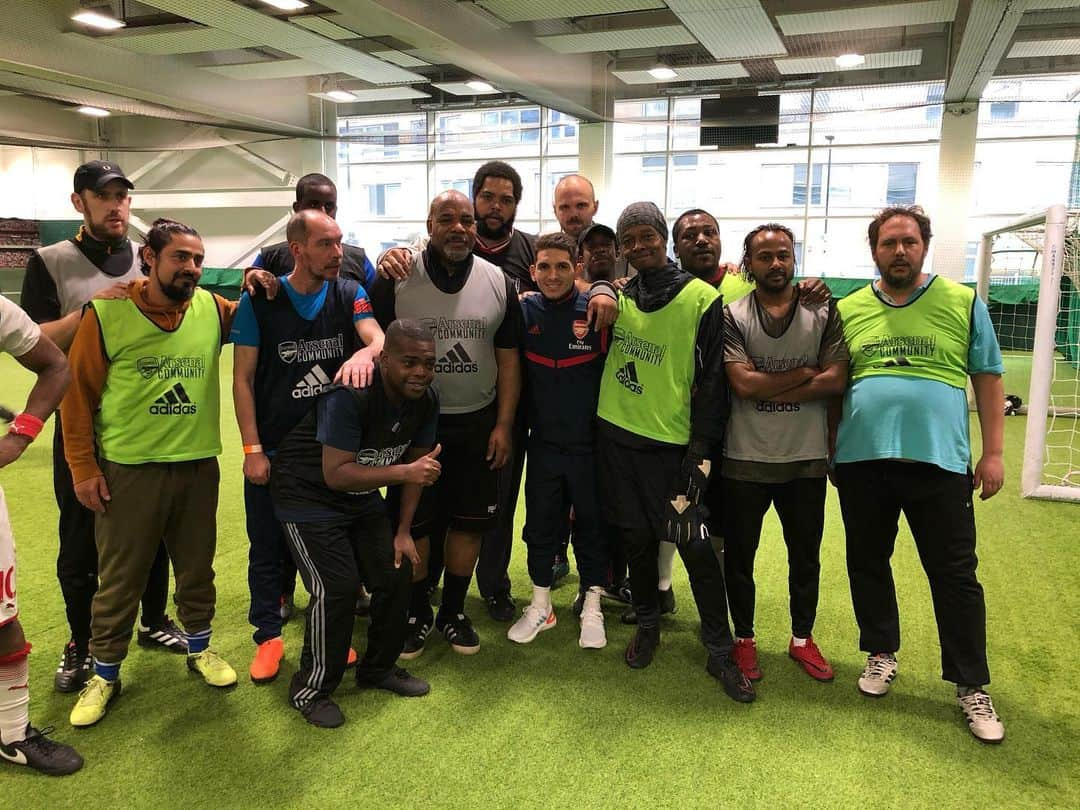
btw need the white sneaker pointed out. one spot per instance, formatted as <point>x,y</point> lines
<point>532,622</point>
<point>981,717</point>
<point>878,674</point>
<point>593,636</point>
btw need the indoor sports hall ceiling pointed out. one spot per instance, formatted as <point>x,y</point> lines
<point>249,63</point>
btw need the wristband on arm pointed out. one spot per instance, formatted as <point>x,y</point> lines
<point>26,424</point>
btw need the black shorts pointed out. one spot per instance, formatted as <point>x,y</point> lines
<point>635,482</point>
<point>466,495</point>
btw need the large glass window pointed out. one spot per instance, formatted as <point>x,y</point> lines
<point>390,166</point>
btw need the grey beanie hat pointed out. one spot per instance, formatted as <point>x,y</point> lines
<point>642,213</point>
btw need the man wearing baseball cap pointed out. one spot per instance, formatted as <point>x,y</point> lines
<point>662,414</point>
<point>98,262</point>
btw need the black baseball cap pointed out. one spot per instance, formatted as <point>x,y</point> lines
<point>596,227</point>
<point>97,173</point>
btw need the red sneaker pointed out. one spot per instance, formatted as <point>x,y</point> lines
<point>809,657</point>
<point>745,655</point>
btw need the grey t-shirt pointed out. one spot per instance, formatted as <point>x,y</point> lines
<point>831,349</point>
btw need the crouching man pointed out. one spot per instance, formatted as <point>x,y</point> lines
<point>324,484</point>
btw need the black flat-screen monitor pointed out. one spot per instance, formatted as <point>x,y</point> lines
<point>739,122</point>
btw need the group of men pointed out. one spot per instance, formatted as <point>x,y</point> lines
<point>699,394</point>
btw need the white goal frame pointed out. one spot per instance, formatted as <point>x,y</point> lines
<point>1054,220</point>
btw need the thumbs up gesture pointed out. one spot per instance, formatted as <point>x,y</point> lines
<point>426,470</point>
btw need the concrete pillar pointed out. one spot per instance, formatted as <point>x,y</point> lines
<point>596,141</point>
<point>953,207</point>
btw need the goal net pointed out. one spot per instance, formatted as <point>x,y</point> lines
<point>1029,274</point>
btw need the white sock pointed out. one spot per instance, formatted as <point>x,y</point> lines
<point>14,700</point>
<point>798,642</point>
<point>665,561</point>
<point>542,598</point>
<point>740,638</point>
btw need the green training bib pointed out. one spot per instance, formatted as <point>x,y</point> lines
<point>650,367</point>
<point>161,400</point>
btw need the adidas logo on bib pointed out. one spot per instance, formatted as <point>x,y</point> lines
<point>456,361</point>
<point>313,384</point>
<point>173,401</point>
<point>627,375</point>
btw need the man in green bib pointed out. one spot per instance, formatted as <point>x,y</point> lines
<point>141,435</point>
<point>903,446</point>
<point>662,413</point>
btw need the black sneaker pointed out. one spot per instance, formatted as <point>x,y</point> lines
<point>37,751</point>
<point>559,570</point>
<point>642,647</point>
<point>667,605</point>
<point>733,680</point>
<point>618,592</point>
<point>322,712</point>
<point>74,670</point>
<point>165,635</point>
<point>459,632</point>
<point>416,637</point>
<point>398,681</point>
<point>501,607</point>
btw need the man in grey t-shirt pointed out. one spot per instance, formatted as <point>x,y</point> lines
<point>785,363</point>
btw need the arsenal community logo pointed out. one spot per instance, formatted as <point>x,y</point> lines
<point>148,366</point>
<point>287,351</point>
<point>581,329</point>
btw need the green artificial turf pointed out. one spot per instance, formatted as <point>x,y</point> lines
<point>550,725</point>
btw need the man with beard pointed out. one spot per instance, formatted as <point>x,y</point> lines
<point>784,362</point>
<point>325,489</point>
<point>497,192</point>
<point>287,351</point>
<point>98,262</point>
<point>662,414</point>
<point>317,192</point>
<point>472,307</point>
<point>142,434</point>
<point>696,235</point>
<point>496,195</point>
<point>915,339</point>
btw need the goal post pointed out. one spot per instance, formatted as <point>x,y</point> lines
<point>1042,249</point>
<point>1032,483</point>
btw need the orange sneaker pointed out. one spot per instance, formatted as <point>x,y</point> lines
<point>264,667</point>
<point>351,660</point>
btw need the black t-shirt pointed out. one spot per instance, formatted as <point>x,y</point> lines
<point>277,258</point>
<point>514,260</point>
<point>362,421</point>
<point>40,298</point>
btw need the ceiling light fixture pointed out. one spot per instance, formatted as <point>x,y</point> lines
<point>663,73</point>
<point>850,60</point>
<point>97,20</point>
<point>94,112</point>
<point>480,86</point>
<point>342,96</point>
<point>286,5</point>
